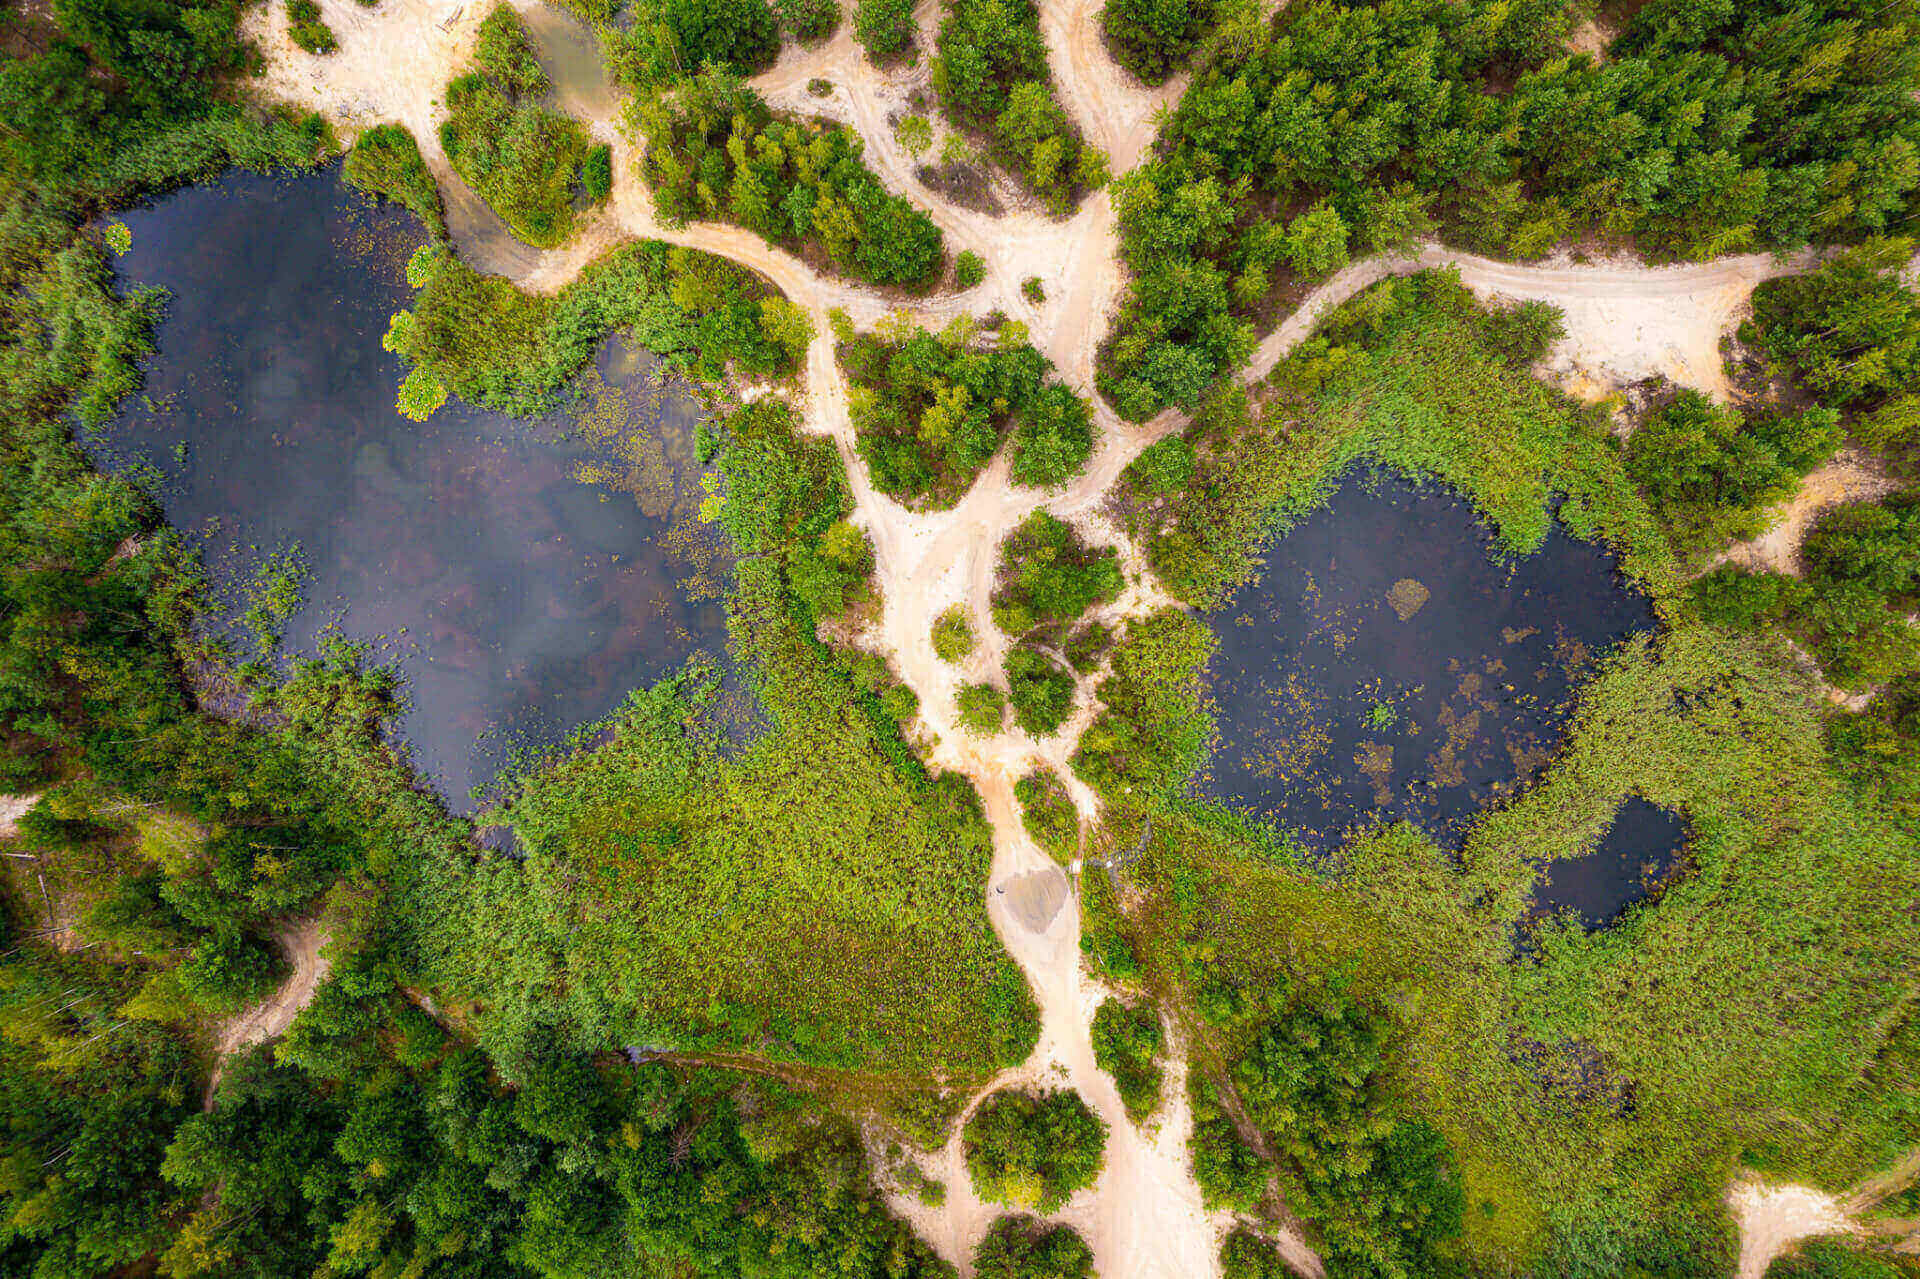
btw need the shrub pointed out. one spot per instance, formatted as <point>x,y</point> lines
<point>1054,439</point>
<point>385,161</point>
<point>1040,692</point>
<point>505,52</point>
<point>1047,811</point>
<point>1022,1247</point>
<point>1127,1043</point>
<point>1833,1259</point>
<point>983,709</point>
<point>968,269</point>
<point>1033,290</point>
<point>1033,1150</point>
<point>1245,1255</point>
<point>885,27</point>
<point>1742,600</point>
<point>307,29</point>
<point>819,88</point>
<point>596,173</point>
<point>913,133</point>
<point>952,634</point>
<point>1049,576</point>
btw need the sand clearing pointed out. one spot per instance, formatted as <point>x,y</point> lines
<point>1624,322</point>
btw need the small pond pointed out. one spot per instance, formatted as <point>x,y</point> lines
<point>1638,853</point>
<point>526,574</point>
<point>1385,665</point>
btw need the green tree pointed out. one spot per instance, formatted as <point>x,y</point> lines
<point>1033,1150</point>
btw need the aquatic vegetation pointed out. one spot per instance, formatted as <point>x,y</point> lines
<point>385,160</point>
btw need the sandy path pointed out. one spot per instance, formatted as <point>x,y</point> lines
<point>1624,322</point>
<point>301,943</point>
<point>1773,1218</point>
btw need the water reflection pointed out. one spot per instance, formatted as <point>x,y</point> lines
<point>1384,666</point>
<point>527,574</point>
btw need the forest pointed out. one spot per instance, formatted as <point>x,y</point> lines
<point>1347,129</point>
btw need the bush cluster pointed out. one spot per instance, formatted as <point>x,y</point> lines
<point>715,150</point>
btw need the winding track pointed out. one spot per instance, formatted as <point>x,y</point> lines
<point>1144,1218</point>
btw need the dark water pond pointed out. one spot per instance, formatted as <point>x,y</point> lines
<point>526,574</point>
<point>1386,666</point>
<point>1637,854</point>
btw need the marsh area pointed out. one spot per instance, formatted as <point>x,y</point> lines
<point>1388,664</point>
<point>526,574</point>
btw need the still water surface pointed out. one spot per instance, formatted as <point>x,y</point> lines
<point>525,574</point>
<point>1387,666</point>
<point>1638,853</point>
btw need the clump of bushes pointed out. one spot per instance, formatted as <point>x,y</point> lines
<point>1033,1150</point>
<point>522,158</point>
<point>1033,290</point>
<point>1127,1043</point>
<point>1153,37</point>
<point>885,27</point>
<point>505,51</point>
<point>1023,1247</point>
<point>991,74</point>
<point>596,173</point>
<point>1047,811</point>
<point>671,39</point>
<point>931,409</point>
<point>385,161</point>
<point>969,269</point>
<point>1040,691</point>
<point>1861,566</point>
<point>952,634</point>
<point>308,29</point>
<point>983,709</point>
<point>715,150</point>
<point>1709,471</point>
<point>808,21</point>
<point>1049,576</point>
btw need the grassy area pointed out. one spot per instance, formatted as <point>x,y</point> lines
<point>811,896</point>
<point>1595,1091</point>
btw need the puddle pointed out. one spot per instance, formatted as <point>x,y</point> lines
<point>1638,852</point>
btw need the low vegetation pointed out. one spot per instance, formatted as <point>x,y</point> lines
<point>385,161</point>
<point>495,344</point>
<point>1033,1150</point>
<point>668,40</point>
<point>306,28</point>
<point>715,151</point>
<point>1040,689</point>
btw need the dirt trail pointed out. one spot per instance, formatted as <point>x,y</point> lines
<point>1773,1218</point>
<point>301,942</point>
<point>1144,1217</point>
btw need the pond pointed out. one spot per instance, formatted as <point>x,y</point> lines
<point>1386,665</point>
<point>525,574</point>
<point>1639,853</point>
